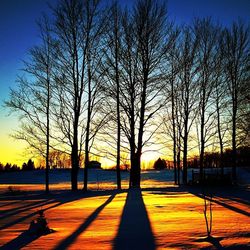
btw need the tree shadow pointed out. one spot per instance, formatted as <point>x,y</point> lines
<point>9,204</point>
<point>52,201</point>
<point>21,241</point>
<point>55,200</point>
<point>29,215</point>
<point>135,230</point>
<point>166,190</point>
<point>239,200</point>
<point>69,240</point>
<point>235,209</point>
<point>32,205</point>
<point>215,241</point>
<point>235,194</point>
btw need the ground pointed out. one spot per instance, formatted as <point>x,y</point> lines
<point>158,216</point>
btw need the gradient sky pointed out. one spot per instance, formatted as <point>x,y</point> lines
<point>18,32</point>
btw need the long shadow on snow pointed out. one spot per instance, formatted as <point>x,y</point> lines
<point>9,204</point>
<point>21,241</point>
<point>13,211</point>
<point>61,198</point>
<point>230,193</point>
<point>238,194</point>
<point>233,193</point>
<point>55,200</point>
<point>69,240</point>
<point>135,230</point>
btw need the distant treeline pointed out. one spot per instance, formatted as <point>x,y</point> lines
<point>59,162</point>
<point>211,160</point>
<point>29,165</point>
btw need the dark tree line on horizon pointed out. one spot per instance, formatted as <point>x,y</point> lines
<point>30,165</point>
<point>110,81</point>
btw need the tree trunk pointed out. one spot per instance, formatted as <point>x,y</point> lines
<point>47,170</point>
<point>47,145</point>
<point>175,167</point>
<point>185,147</point>
<point>202,149</point>
<point>132,141</point>
<point>135,173</point>
<point>118,157</point>
<point>234,152</point>
<point>74,155</point>
<point>86,164</point>
<point>178,165</point>
<point>136,176</point>
<point>184,175</point>
<point>74,170</point>
<point>86,159</point>
<point>174,130</point>
<point>220,138</point>
<point>202,162</point>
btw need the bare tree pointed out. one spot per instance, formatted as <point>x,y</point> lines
<point>71,67</point>
<point>95,52</point>
<point>235,49</point>
<point>116,34</point>
<point>220,100</point>
<point>143,49</point>
<point>206,35</point>
<point>75,29</point>
<point>187,97</point>
<point>33,97</point>
<point>244,113</point>
<point>170,90</point>
<point>112,80</point>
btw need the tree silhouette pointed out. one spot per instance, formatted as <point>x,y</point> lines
<point>235,47</point>
<point>103,75</point>
<point>33,97</point>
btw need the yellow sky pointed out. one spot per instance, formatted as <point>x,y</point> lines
<point>15,152</point>
<point>11,150</point>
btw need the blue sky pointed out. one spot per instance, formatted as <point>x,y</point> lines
<point>18,32</point>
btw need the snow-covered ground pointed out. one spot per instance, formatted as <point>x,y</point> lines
<point>97,179</point>
<point>63,175</point>
<point>101,179</point>
<point>158,216</point>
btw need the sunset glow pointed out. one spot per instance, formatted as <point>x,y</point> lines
<point>124,125</point>
<point>21,22</point>
<point>85,219</point>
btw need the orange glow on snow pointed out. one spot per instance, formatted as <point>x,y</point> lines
<point>92,221</point>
